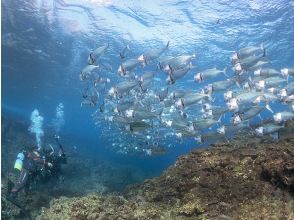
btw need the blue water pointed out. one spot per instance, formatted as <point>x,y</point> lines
<point>45,44</point>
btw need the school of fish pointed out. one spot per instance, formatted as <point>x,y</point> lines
<point>147,107</point>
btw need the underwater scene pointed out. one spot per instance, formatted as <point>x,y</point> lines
<point>147,109</point>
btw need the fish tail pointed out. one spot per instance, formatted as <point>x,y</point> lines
<point>237,81</point>
<point>263,49</point>
<point>219,119</point>
<point>121,56</point>
<point>167,45</point>
<point>170,69</point>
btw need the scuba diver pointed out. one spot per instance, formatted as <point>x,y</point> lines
<point>27,167</point>
<point>56,160</point>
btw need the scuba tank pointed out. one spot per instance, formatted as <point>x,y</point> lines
<point>19,161</point>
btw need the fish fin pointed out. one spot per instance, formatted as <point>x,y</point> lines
<point>158,66</point>
<point>250,79</point>
<point>121,56</point>
<point>263,48</point>
<point>167,45</point>
<point>220,119</point>
<point>267,106</point>
<point>170,69</point>
<point>238,84</point>
<point>225,71</point>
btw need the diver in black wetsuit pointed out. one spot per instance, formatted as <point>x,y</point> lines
<point>56,160</point>
<point>32,164</point>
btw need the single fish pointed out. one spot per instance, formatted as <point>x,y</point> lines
<point>152,54</point>
<point>190,99</point>
<point>147,76</point>
<point>128,66</point>
<point>283,116</point>
<point>209,73</point>
<point>122,87</point>
<point>221,85</point>
<point>257,65</point>
<point>266,72</point>
<point>140,115</point>
<point>267,129</point>
<point>246,115</point>
<point>211,137</point>
<point>204,123</point>
<point>137,126</point>
<point>248,51</point>
<point>123,53</point>
<point>88,71</point>
<point>179,62</point>
<point>96,54</point>
<point>177,74</point>
<point>164,61</point>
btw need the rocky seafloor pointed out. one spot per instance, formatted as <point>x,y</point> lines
<point>248,178</point>
<point>252,181</point>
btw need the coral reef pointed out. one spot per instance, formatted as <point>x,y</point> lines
<point>227,181</point>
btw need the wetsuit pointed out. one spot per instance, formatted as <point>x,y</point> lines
<point>56,160</point>
<point>32,164</point>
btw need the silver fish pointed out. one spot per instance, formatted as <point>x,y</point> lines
<point>269,82</point>
<point>209,73</point>
<point>147,76</point>
<point>211,137</point>
<point>247,51</point>
<point>246,115</point>
<point>88,71</point>
<point>137,126</point>
<point>164,61</point>
<point>177,74</point>
<point>204,123</point>
<point>153,54</point>
<point>179,62</point>
<point>122,87</point>
<point>221,85</point>
<point>190,99</point>
<point>283,116</point>
<point>257,65</point>
<point>267,129</point>
<point>123,53</point>
<point>96,54</point>
<point>140,115</point>
<point>128,66</point>
<point>266,72</point>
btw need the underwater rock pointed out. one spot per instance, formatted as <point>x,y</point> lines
<point>227,181</point>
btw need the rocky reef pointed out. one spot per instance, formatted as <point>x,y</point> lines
<point>252,179</point>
